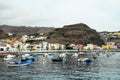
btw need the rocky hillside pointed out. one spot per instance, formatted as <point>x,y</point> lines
<point>2,34</point>
<point>21,30</point>
<point>76,33</point>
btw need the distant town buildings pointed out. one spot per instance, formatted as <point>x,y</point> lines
<point>25,43</point>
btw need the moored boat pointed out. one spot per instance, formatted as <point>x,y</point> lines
<point>82,59</point>
<point>14,63</point>
<point>57,59</point>
<point>9,57</point>
<point>29,58</point>
<point>87,60</point>
<point>21,60</point>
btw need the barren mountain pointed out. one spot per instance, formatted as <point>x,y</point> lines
<point>76,33</point>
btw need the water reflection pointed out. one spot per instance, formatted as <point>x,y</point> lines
<point>102,68</point>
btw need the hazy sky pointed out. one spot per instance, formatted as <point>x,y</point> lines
<point>102,15</point>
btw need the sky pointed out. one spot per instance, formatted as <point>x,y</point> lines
<point>101,15</point>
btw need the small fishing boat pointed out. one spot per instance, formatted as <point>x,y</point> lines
<point>21,60</point>
<point>29,58</point>
<point>57,59</point>
<point>25,55</point>
<point>8,57</point>
<point>87,60</point>
<point>62,55</point>
<point>75,55</point>
<point>14,63</point>
<point>82,59</point>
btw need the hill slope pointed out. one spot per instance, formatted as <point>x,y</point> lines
<point>2,34</point>
<point>76,33</point>
<point>21,30</point>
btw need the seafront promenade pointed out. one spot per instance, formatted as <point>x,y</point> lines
<point>57,51</point>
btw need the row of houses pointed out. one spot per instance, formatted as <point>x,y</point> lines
<point>19,44</point>
<point>110,34</point>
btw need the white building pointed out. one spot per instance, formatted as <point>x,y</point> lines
<point>24,38</point>
<point>90,47</point>
<point>44,45</point>
<point>56,46</point>
<point>41,38</point>
<point>3,48</point>
<point>10,34</point>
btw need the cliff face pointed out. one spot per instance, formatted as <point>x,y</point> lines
<point>77,33</point>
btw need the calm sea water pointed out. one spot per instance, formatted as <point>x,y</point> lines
<point>105,67</point>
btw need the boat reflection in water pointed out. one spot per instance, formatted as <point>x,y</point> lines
<point>101,68</point>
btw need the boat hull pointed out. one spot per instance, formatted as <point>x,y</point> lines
<point>57,59</point>
<point>15,65</point>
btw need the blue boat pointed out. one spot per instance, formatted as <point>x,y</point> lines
<point>15,63</point>
<point>34,56</point>
<point>23,62</point>
<point>30,58</point>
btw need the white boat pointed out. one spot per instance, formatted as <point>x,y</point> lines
<point>62,55</point>
<point>82,59</point>
<point>86,60</point>
<point>8,57</point>
<point>75,55</point>
<point>25,55</point>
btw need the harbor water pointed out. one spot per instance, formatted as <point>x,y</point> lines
<point>105,67</point>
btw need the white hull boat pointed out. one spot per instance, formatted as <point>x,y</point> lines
<point>82,59</point>
<point>8,57</point>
